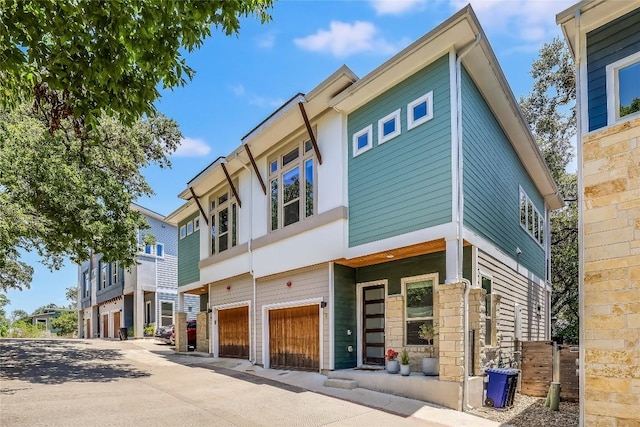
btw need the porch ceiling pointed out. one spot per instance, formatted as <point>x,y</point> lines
<point>424,248</point>
<point>198,291</point>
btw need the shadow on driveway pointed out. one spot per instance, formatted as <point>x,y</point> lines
<point>61,361</point>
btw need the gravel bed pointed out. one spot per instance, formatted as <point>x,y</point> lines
<point>530,411</point>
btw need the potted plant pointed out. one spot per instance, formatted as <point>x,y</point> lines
<point>405,369</point>
<point>428,332</point>
<point>393,366</point>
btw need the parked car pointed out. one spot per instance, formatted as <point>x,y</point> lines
<point>191,334</point>
<point>165,334</point>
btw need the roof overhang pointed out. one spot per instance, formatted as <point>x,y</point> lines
<point>284,121</point>
<point>461,30</point>
<point>148,212</point>
<point>592,14</point>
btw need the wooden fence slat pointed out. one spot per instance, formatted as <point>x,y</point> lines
<point>537,369</point>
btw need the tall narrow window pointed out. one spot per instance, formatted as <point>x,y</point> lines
<point>160,250</point>
<point>86,284</point>
<point>114,273</point>
<point>293,187</point>
<point>166,313</point>
<point>531,219</point>
<point>418,293</point>
<point>224,223</point>
<point>103,275</point>
<point>486,285</point>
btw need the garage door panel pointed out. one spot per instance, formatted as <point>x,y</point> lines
<point>294,338</point>
<point>233,332</point>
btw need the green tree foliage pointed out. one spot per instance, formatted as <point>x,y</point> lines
<point>633,107</point>
<point>66,324</point>
<point>85,59</point>
<point>19,315</point>
<point>4,322</point>
<point>68,195</point>
<point>24,329</point>
<point>72,296</point>
<point>550,111</point>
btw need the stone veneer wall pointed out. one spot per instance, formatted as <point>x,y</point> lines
<point>477,322</point>
<point>611,287</point>
<point>181,331</point>
<point>451,331</point>
<point>202,342</point>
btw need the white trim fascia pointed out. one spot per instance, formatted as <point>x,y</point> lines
<point>331,317</point>
<point>453,100</point>
<point>190,287</point>
<point>613,98</point>
<point>488,247</point>
<point>215,343</point>
<point>288,304</point>
<point>359,289</point>
<point>407,239</point>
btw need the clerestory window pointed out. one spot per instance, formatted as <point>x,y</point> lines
<point>224,222</point>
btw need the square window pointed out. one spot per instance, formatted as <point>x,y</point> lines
<point>389,127</point>
<point>183,231</point>
<point>420,111</point>
<point>362,140</point>
<point>623,89</point>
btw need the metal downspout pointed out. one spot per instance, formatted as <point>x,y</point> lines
<point>460,224</point>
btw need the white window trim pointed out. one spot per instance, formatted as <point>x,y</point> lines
<point>613,100</point>
<point>213,218</point>
<point>189,225</point>
<point>183,231</point>
<point>173,311</point>
<point>196,224</point>
<point>155,248</point>
<point>403,288</point>
<point>525,226</point>
<point>366,131</point>
<point>114,274</point>
<point>382,138</point>
<point>493,333</point>
<point>428,98</point>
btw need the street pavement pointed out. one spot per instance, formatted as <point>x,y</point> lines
<point>145,383</point>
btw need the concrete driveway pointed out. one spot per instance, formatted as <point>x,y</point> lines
<point>144,383</point>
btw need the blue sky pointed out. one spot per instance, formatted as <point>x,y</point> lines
<point>240,80</point>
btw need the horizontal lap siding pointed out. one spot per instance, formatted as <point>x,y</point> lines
<point>305,284</point>
<point>493,174</point>
<point>241,289</point>
<point>188,255</point>
<point>515,288</point>
<point>404,184</point>
<point>606,45</point>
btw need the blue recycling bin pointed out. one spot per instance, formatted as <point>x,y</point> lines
<point>501,388</point>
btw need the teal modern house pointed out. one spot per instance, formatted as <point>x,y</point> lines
<point>370,208</point>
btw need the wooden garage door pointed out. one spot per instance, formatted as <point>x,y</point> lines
<point>294,338</point>
<point>116,324</point>
<point>105,326</point>
<point>233,332</point>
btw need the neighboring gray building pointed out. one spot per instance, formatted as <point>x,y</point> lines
<point>111,297</point>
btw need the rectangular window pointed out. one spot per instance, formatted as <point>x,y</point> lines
<point>114,273</point>
<point>196,224</point>
<point>290,201</point>
<point>623,89</point>
<point>166,313</point>
<point>183,231</point>
<point>190,228</point>
<point>160,250</point>
<point>224,224</point>
<point>486,285</point>
<point>103,275</point>
<point>532,221</point>
<point>147,313</point>
<point>389,127</point>
<point>86,284</point>
<point>273,167</point>
<point>290,157</point>
<point>420,111</point>
<point>362,140</point>
<point>148,249</point>
<point>418,294</point>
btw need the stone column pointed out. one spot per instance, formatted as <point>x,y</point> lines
<point>451,332</point>
<point>138,312</point>
<point>181,331</point>
<point>477,317</point>
<point>202,342</point>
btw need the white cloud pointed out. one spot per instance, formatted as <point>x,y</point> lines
<point>532,21</point>
<point>396,7</point>
<point>192,147</point>
<point>344,39</point>
<point>266,41</point>
<point>259,101</point>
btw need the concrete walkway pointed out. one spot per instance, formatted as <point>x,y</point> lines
<point>432,415</point>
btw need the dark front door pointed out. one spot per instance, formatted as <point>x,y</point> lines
<point>373,325</point>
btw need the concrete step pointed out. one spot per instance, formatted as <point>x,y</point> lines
<point>338,383</point>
